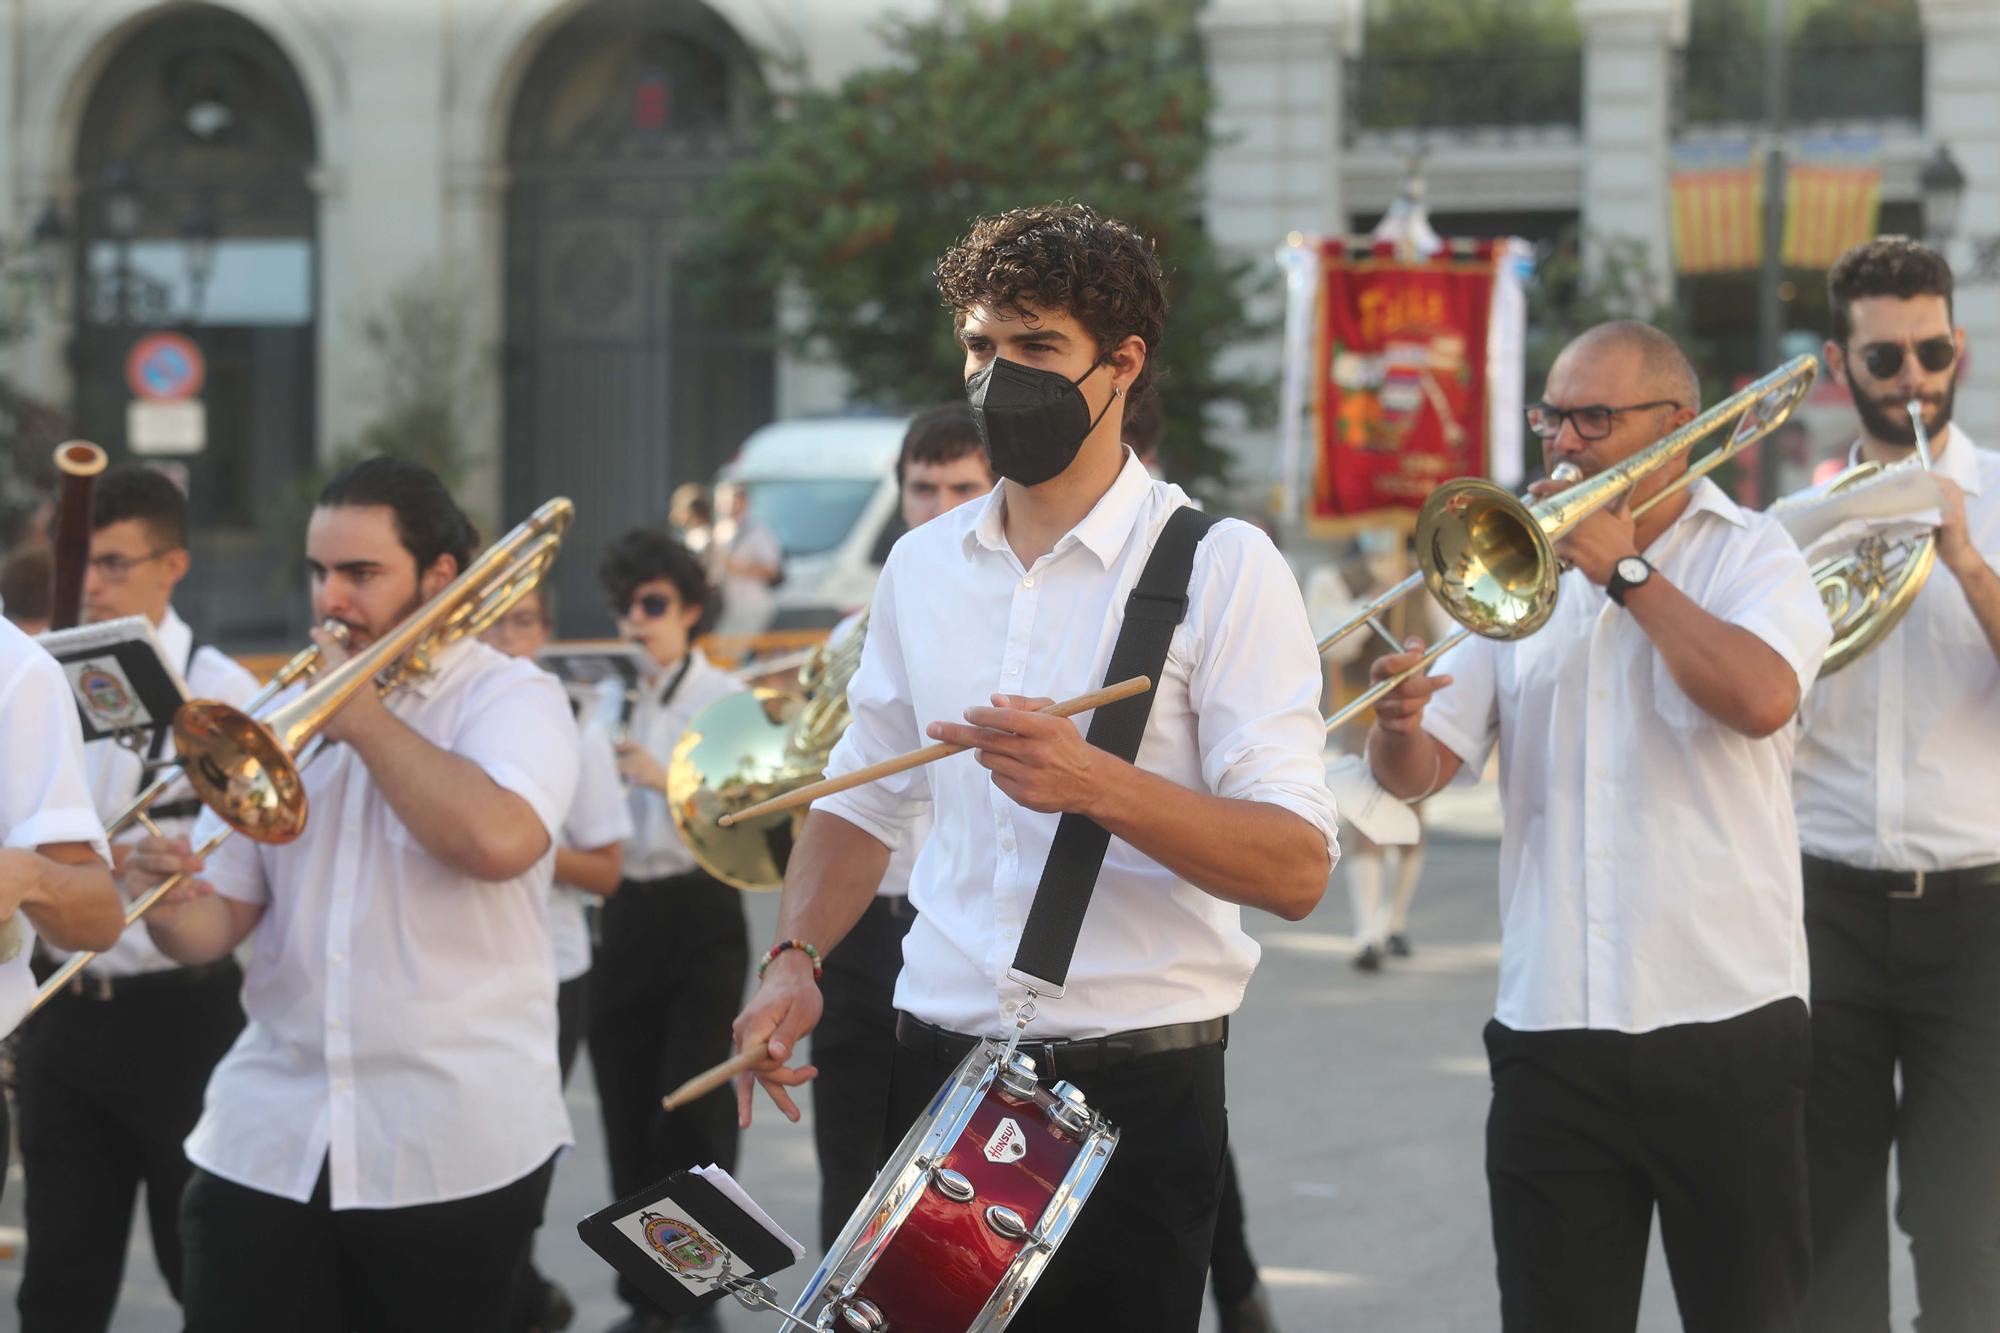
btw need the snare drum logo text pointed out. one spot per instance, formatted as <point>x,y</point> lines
<point>1008,1143</point>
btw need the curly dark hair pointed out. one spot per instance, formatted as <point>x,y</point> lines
<point>645,554</point>
<point>1064,258</point>
<point>1886,266</point>
<point>429,522</point>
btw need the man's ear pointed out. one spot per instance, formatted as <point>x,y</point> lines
<point>1127,359</point>
<point>439,576</point>
<point>175,564</point>
<point>1836,360</point>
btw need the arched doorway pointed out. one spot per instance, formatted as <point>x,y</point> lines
<point>195,214</point>
<point>619,382</point>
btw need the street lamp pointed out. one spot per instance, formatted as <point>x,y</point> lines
<point>199,231</point>
<point>1942,184</point>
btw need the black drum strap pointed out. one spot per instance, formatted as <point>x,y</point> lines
<point>1157,605</point>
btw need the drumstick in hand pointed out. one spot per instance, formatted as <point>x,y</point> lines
<point>811,792</point>
<point>740,1063</point>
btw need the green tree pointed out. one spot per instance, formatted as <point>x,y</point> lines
<point>1464,27</point>
<point>851,196</point>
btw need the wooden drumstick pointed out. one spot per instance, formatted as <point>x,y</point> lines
<point>709,1080</point>
<point>812,791</point>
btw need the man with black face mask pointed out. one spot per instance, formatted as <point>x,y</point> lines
<point>1006,603</point>
<point>1896,808</point>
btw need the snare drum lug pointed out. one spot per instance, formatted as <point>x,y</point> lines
<point>951,1184</point>
<point>1006,1222</point>
<point>1017,1077</point>
<point>1069,1110</point>
<point>860,1315</point>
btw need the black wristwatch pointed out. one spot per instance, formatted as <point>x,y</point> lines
<point>1629,573</point>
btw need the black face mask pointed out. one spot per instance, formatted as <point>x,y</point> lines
<point>1033,421</point>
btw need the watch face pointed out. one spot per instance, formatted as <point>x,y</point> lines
<point>1632,569</point>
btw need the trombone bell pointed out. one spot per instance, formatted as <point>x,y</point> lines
<point>1486,559</point>
<point>241,771</point>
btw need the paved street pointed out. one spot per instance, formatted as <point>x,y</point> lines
<point>1356,1109</point>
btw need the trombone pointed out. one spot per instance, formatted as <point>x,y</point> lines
<point>246,769</point>
<point>1489,557</point>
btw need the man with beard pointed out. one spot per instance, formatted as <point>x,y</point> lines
<point>376,1147</point>
<point>1896,807</point>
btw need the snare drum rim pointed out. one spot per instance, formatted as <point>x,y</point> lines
<point>1050,1229</point>
<point>959,1098</point>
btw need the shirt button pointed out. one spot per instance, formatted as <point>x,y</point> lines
<point>336,958</point>
<point>333,1023</point>
<point>1013,669</point>
<point>1028,582</point>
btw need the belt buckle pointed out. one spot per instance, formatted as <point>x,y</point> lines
<point>1915,891</point>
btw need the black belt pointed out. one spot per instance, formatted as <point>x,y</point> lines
<point>895,906</point>
<point>1824,874</point>
<point>1062,1059</point>
<point>94,987</point>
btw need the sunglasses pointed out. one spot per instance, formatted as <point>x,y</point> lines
<point>1933,354</point>
<point>652,606</point>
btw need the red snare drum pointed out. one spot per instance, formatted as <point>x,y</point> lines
<point>968,1209</point>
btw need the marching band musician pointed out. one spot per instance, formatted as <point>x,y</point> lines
<point>1649,1046</point>
<point>1902,852</point>
<point>55,870</point>
<point>589,859</point>
<point>376,1147</point>
<point>942,466</point>
<point>1021,595</point>
<point>111,1074</point>
<point>674,941</point>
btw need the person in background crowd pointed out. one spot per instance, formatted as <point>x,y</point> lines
<point>745,562</point>
<point>112,1070</point>
<point>24,589</point>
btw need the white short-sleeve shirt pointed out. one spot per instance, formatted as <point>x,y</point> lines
<point>43,796</point>
<point>597,818</point>
<point>402,1023</point>
<point>662,711</point>
<point>1649,871</point>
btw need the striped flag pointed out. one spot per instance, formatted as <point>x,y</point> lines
<point>1718,206</point>
<point>1833,197</point>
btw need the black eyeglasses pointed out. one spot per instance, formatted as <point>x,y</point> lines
<point>652,606</point>
<point>1592,422</point>
<point>1933,354</point>
<point>118,568</point>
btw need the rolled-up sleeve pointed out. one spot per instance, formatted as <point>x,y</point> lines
<point>1772,595</point>
<point>43,796</point>
<point>518,729</point>
<point>1256,679</point>
<point>882,724</point>
<point>1465,715</point>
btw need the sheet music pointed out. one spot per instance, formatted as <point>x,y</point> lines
<point>726,1183</point>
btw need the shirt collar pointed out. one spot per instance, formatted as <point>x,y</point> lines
<point>1105,529</point>
<point>1707,497</point>
<point>1956,461</point>
<point>175,640</point>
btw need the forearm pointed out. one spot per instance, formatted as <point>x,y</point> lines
<point>1982,592</point>
<point>833,874</point>
<point>1410,765</point>
<point>1250,853</point>
<point>450,806</point>
<point>1725,670</point>
<point>198,932</point>
<point>596,870</point>
<point>68,894</point>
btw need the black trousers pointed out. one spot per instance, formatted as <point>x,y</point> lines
<point>572,1015</point>
<point>665,988</point>
<point>1137,1257</point>
<point>1909,986</point>
<point>1590,1130</point>
<point>1233,1271</point>
<point>854,1049</point>
<point>257,1263</point>
<point>108,1090</point>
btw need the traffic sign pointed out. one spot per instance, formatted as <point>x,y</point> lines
<point>164,367</point>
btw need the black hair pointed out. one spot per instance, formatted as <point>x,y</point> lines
<point>1886,266</point>
<point>941,434</point>
<point>429,522</point>
<point>24,584</point>
<point>135,491</point>
<point>645,554</point>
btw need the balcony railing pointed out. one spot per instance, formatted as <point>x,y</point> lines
<point>1498,89</point>
<point>1825,83</point>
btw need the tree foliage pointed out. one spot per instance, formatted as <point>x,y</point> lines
<point>1433,27</point>
<point>850,198</point>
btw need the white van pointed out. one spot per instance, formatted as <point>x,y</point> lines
<point>826,486</point>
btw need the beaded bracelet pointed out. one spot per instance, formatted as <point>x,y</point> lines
<point>771,956</point>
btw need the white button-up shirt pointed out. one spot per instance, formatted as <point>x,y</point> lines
<point>1897,759</point>
<point>903,859</point>
<point>43,796</point>
<point>1647,871</point>
<point>116,773</point>
<point>402,1014</point>
<point>655,850</point>
<point>597,818</point>
<point>956,618</point>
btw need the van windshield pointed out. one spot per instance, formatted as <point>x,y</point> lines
<point>810,515</point>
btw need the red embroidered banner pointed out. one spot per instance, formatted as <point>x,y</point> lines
<point>1400,373</point>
